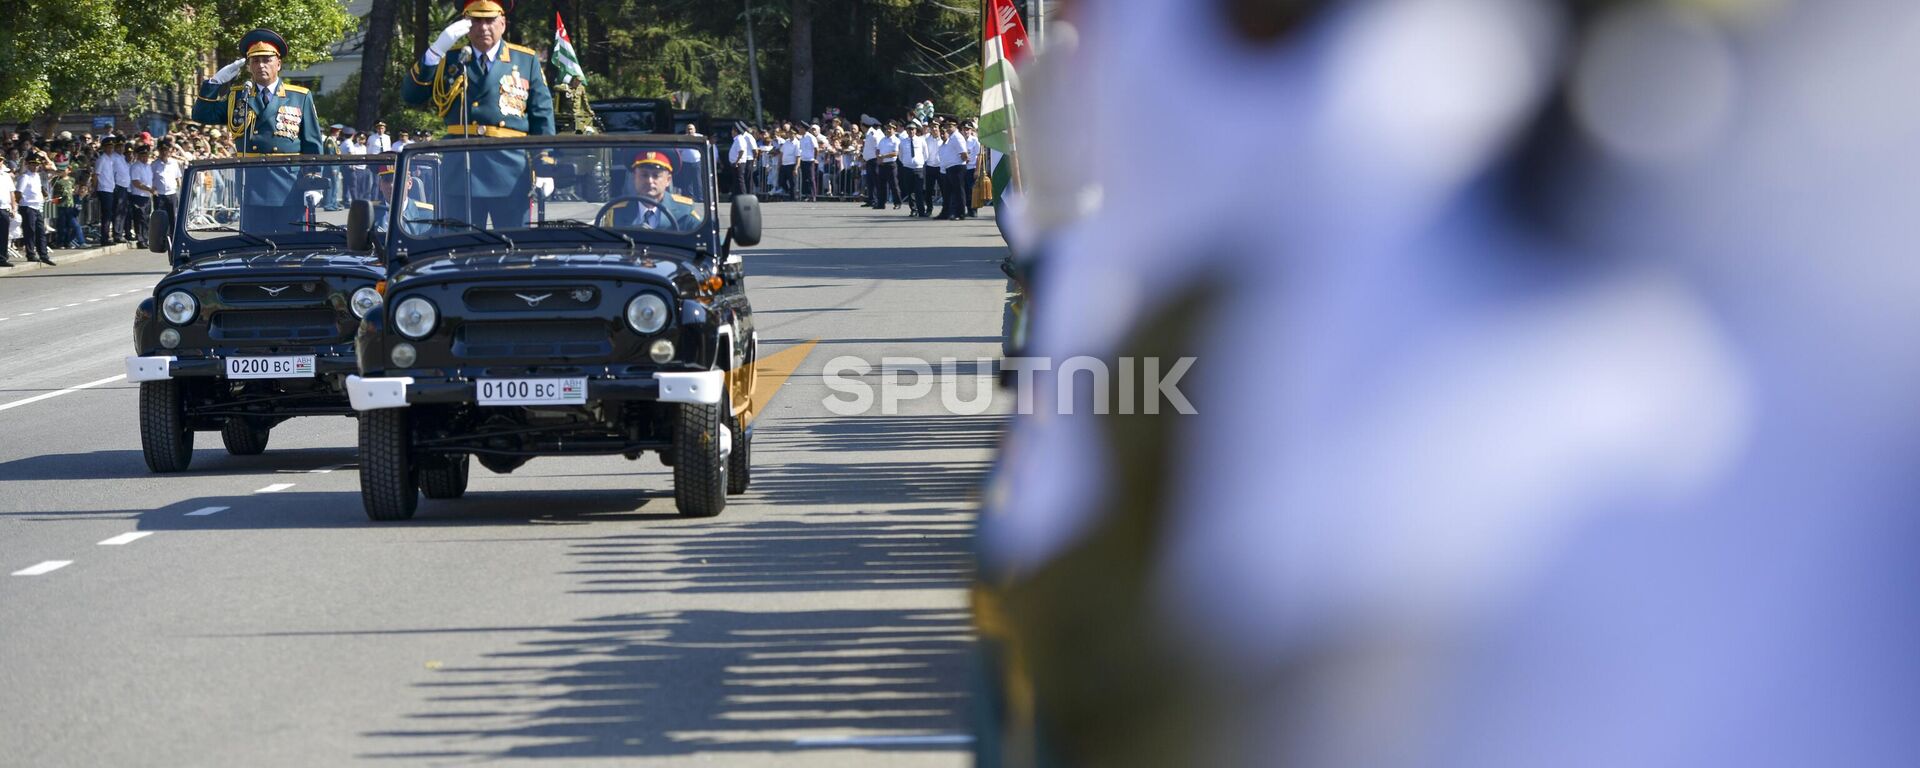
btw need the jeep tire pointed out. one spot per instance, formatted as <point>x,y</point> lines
<point>740,461</point>
<point>447,479</point>
<point>165,437</point>
<point>699,471</point>
<point>244,436</point>
<point>389,484</point>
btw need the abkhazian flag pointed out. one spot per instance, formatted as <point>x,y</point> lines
<point>563,57</point>
<point>1006,46</point>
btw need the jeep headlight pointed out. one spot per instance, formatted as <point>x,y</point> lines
<point>364,301</point>
<point>414,318</point>
<point>179,307</point>
<point>647,313</point>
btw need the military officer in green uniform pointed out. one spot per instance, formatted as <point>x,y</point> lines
<point>489,87</point>
<point>658,206</point>
<point>266,117</point>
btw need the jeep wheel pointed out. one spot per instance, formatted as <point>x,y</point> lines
<point>699,471</point>
<point>244,436</point>
<point>389,486</point>
<point>448,480</point>
<point>165,438</point>
<point>740,461</point>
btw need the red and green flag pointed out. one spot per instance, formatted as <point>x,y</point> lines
<point>1006,47</point>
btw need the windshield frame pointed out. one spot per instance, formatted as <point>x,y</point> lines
<point>405,247</point>
<point>190,246</point>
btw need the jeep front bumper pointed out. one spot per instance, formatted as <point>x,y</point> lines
<point>161,368</point>
<point>375,393</point>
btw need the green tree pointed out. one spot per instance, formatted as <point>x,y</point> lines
<point>64,55</point>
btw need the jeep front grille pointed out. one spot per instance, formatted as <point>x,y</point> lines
<point>276,325</point>
<point>537,339</point>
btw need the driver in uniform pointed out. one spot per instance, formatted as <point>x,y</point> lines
<point>267,116</point>
<point>489,87</point>
<point>654,204</point>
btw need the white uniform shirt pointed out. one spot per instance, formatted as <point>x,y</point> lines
<point>870,148</point>
<point>953,151</point>
<point>6,183</point>
<point>886,146</point>
<point>143,173</point>
<point>102,173</point>
<point>789,150</point>
<point>166,177</point>
<point>379,142</point>
<point>973,150</point>
<point>913,151</point>
<point>119,164</point>
<point>29,189</point>
<point>809,148</point>
<point>398,145</point>
<point>744,148</point>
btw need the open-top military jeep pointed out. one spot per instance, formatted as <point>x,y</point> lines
<point>527,314</point>
<point>254,325</point>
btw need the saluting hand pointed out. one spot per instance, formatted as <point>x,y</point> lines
<point>452,34</point>
<point>230,71</point>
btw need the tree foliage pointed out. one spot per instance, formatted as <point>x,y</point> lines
<point>873,56</point>
<point>64,55</point>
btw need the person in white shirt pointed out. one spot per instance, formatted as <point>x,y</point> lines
<point>140,183</point>
<point>358,182</point>
<point>32,200</point>
<point>915,170</point>
<point>379,141</point>
<point>742,155</point>
<point>6,213</point>
<point>789,148</point>
<point>887,159</point>
<point>869,167</point>
<point>167,171</point>
<point>807,144</point>
<point>104,191</point>
<point>123,191</point>
<point>953,174</point>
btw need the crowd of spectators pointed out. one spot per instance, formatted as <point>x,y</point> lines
<point>912,163</point>
<point>75,191</point>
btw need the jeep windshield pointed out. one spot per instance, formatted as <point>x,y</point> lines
<point>545,192</point>
<point>291,202</point>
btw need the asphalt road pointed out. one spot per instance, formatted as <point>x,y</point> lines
<point>246,613</point>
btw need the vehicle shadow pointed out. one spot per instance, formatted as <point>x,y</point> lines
<point>209,460</point>
<point>342,509</point>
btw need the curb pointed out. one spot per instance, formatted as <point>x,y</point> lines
<point>64,258</point>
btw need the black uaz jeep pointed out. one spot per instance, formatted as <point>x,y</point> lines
<point>255,323</point>
<point>557,296</point>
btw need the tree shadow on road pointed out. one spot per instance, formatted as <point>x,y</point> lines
<point>686,682</point>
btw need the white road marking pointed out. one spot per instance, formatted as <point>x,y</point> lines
<point>24,314</point>
<point>75,304</point>
<point>126,538</point>
<point>325,470</point>
<point>881,741</point>
<point>90,301</point>
<point>275,488</point>
<point>203,512</point>
<point>47,567</point>
<point>50,309</point>
<point>67,391</point>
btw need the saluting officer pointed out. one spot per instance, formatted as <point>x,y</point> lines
<point>267,117</point>
<point>490,87</point>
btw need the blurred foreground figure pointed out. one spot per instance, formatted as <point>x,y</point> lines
<point>1555,388</point>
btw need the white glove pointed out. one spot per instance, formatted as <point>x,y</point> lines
<point>230,71</point>
<point>452,34</point>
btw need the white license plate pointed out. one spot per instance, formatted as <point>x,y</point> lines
<point>533,391</point>
<point>293,367</point>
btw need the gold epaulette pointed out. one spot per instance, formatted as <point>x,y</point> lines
<point>522,49</point>
<point>295,88</point>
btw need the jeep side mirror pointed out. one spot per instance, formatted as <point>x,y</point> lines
<point>360,226</point>
<point>745,229</point>
<point>159,232</point>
